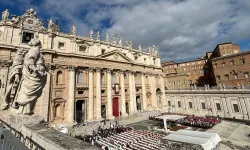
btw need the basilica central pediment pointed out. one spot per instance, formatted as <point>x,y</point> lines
<point>116,56</point>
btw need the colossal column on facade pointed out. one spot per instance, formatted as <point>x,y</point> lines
<point>71,100</point>
<point>98,95</point>
<point>131,92</point>
<point>144,96</point>
<point>153,90</point>
<point>90,116</point>
<point>163,97</point>
<point>109,95</point>
<point>123,98</point>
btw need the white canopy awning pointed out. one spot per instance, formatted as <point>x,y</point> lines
<point>171,117</point>
<point>206,140</point>
<point>214,137</point>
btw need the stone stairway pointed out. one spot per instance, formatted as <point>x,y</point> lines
<point>225,129</point>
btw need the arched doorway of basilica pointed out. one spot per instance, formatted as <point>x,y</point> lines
<point>80,111</point>
<point>115,107</point>
<point>127,108</point>
<point>103,109</point>
<point>138,103</point>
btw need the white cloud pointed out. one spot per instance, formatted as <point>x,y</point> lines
<point>181,29</point>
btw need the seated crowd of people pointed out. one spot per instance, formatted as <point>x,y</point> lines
<point>125,138</point>
<point>191,120</point>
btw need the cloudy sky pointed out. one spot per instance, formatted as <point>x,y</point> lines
<point>181,29</point>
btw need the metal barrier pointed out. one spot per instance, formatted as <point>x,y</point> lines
<point>11,139</point>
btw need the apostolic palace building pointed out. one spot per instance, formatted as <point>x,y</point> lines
<point>88,78</point>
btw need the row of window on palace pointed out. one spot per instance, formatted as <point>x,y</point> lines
<point>234,76</point>
<point>176,82</point>
<point>203,106</point>
<point>232,63</point>
<point>188,64</point>
<point>83,77</point>
<point>189,68</point>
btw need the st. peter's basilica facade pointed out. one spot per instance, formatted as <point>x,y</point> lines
<point>88,78</point>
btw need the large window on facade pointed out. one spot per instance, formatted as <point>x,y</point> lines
<point>169,103</point>
<point>236,108</point>
<point>113,78</point>
<point>27,36</point>
<point>80,79</point>
<point>235,76</point>
<point>246,74</point>
<point>227,76</point>
<point>61,45</point>
<point>243,61</point>
<point>203,106</point>
<point>218,78</point>
<point>190,105</point>
<point>218,106</point>
<point>59,77</point>
<point>179,103</point>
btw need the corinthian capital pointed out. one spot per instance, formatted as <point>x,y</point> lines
<point>71,68</point>
<point>90,69</point>
<point>108,70</point>
<point>98,69</point>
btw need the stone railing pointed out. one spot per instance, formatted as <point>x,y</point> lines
<point>13,139</point>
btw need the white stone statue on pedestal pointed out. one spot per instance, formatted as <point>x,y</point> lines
<point>130,44</point>
<point>224,87</point>
<point>50,24</point>
<point>120,41</point>
<point>107,37</point>
<point>242,86</point>
<point>74,30</point>
<point>114,38</point>
<point>139,47</point>
<point>126,44</point>
<point>5,15</point>
<point>98,35</point>
<point>27,79</point>
<point>91,33</point>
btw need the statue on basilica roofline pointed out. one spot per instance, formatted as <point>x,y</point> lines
<point>27,79</point>
<point>5,15</point>
<point>114,38</point>
<point>91,33</point>
<point>139,47</point>
<point>98,35</point>
<point>74,30</point>
<point>107,37</point>
<point>127,44</point>
<point>50,23</point>
<point>130,44</point>
<point>120,41</point>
